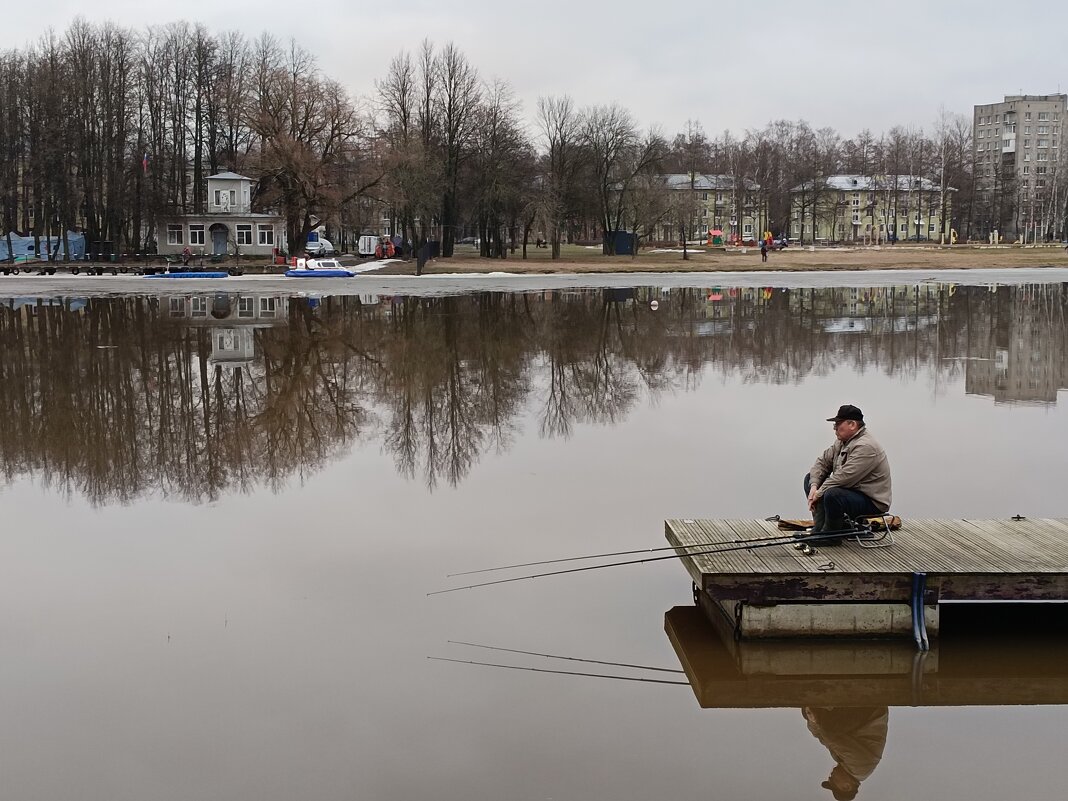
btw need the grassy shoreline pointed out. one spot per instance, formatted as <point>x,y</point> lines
<point>577,260</point>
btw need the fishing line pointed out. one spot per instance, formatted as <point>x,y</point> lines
<point>559,672</point>
<point>615,553</point>
<point>569,658</point>
<point>821,537</point>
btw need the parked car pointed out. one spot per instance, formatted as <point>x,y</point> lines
<point>319,247</point>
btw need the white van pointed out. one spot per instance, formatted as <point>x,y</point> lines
<point>366,245</point>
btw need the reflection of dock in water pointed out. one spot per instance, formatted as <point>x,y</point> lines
<point>967,667</point>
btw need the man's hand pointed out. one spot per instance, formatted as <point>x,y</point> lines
<point>813,496</point>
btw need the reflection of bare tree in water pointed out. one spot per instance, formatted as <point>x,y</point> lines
<point>455,383</point>
<point>589,379</point>
<point>114,402</point>
<point>113,398</point>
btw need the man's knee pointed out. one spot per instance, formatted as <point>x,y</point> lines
<point>837,498</point>
<point>807,484</point>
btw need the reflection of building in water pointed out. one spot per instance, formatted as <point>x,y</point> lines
<point>843,303</point>
<point>1015,355</point>
<point>233,320</point>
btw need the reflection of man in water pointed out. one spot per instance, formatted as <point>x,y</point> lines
<point>855,737</point>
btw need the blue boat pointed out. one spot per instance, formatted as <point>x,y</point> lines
<point>318,274</point>
<point>211,274</point>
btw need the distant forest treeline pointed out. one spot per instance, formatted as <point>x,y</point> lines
<point>106,128</point>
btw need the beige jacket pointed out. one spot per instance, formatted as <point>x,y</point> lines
<point>859,464</point>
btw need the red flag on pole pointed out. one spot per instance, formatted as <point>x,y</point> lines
<point>144,164</point>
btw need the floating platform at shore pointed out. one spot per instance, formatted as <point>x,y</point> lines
<point>849,590</point>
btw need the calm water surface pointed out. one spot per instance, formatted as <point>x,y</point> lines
<point>220,517</point>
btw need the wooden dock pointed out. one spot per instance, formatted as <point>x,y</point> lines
<point>850,590</point>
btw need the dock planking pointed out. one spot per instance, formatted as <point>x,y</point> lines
<point>964,560</point>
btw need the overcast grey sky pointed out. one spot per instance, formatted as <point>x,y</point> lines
<point>843,64</point>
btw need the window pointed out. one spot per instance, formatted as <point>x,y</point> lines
<point>856,219</point>
<point>225,199</point>
<point>196,234</point>
<point>856,200</point>
<point>246,307</point>
<point>244,234</point>
<point>1027,129</point>
<point>982,134</point>
<point>1040,183</point>
<point>1042,129</point>
<point>267,306</point>
<point>177,307</point>
<point>1043,116</point>
<point>1043,156</point>
<point>1043,143</point>
<point>199,307</point>
<point>997,132</point>
<point>1027,143</point>
<point>266,233</point>
<point>904,227</point>
<point>1026,170</point>
<point>1027,116</point>
<point>175,236</point>
<point>932,228</point>
<point>747,228</point>
<point>1040,170</point>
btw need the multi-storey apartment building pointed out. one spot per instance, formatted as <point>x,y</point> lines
<point>717,203</point>
<point>1019,169</point>
<point>872,209</point>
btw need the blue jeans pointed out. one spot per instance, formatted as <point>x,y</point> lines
<point>835,505</point>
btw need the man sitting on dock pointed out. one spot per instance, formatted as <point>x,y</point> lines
<point>849,479</point>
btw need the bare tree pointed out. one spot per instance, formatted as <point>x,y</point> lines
<point>560,126</point>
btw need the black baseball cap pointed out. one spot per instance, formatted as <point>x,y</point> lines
<point>847,412</point>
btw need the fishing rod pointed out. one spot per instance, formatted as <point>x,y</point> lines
<point>615,553</point>
<point>569,658</point>
<point>821,537</point>
<point>559,672</point>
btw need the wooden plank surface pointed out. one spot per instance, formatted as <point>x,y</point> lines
<point>991,558</point>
